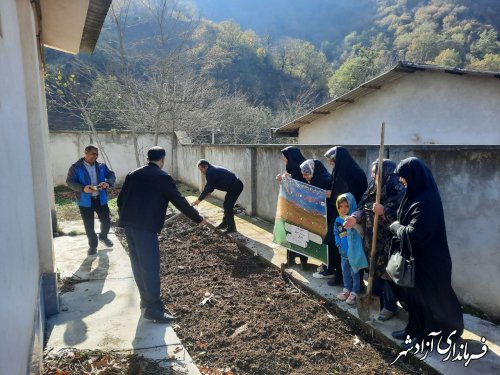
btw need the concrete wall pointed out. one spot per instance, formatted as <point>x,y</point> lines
<point>419,108</point>
<point>68,147</point>
<point>19,245</point>
<point>467,176</point>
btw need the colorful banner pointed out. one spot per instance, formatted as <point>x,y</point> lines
<point>300,223</point>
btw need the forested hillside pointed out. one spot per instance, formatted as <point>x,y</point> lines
<point>164,65</point>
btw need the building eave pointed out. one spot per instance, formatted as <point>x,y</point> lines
<point>72,26</point>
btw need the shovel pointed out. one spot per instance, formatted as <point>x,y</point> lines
<point>368,305</point>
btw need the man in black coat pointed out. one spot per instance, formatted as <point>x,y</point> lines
<point>142,206</point>
<point>221,179</point>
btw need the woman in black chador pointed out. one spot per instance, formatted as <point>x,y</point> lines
<point>432,304</point>
<point>293,158</point>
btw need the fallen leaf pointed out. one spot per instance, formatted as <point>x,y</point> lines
<point>201,344</point>
<point>239,330</point>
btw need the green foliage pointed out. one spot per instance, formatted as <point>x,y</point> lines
<point>486,44</point>
<point>352,73</point>
<point>220,82</point>
<point>448,57</point>
<point>490,62</point>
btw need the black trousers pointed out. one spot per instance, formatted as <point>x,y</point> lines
<point>88,220</point>
<point>144,252</point>
<point>232,195</point>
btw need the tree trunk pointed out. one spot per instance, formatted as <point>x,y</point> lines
<point>136,149</point>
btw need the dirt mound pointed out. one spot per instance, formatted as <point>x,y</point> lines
<point>239,316</point>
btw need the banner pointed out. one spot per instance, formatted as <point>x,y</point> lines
<point>300,223</point>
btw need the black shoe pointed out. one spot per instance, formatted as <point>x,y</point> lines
<point>221,226</point>
<point>106,241</point>
<point>400,335</point>
<point>229,230</point>
<point>92,251</point>
<point>335,280</point>
<point>162,319</point>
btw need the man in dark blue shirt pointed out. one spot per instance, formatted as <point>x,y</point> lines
<point>221,179</point>
<point>142,205</point>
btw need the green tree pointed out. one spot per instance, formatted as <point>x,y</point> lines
<point>490,62</point>
<point>424,47</point>
<point>352,73</point>
<point>448,57</point>
<point>486,44</point>
<point>300,59</point>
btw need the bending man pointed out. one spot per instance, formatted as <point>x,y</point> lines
<point>221,179</point>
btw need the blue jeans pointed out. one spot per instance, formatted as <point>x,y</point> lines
<point>144,252</point>
<point>351,278</point>
<point>383,289</point>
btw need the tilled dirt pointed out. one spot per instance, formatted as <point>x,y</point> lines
<point>237,315</point>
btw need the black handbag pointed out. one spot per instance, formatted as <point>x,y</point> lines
<point>401,269</point>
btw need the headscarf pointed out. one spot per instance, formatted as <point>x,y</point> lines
<point>419,181</point>
<point>390,179</point>
<point>307,167</point>
<point>350,201</point>
<point>294,158</point>
<point>418,176</point>
<point>391,191</point>
<point>320,177</point>
<point>348,171</point>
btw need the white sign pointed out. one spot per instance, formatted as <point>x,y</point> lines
<point>297,236</point>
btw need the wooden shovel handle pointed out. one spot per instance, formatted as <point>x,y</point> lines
<point>375,219</point>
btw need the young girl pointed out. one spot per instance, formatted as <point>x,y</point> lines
<point>346,205</point>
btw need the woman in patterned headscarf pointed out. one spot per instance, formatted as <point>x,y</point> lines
<point>391,194</point>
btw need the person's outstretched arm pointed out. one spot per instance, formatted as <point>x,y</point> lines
<point>180,202</point>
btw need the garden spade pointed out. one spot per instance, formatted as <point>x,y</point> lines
<point>368,305</point>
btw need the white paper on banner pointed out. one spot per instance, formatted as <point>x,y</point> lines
<point>296,235</point>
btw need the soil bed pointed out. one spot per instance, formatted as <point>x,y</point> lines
<point>237,315</point>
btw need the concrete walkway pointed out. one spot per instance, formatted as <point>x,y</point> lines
<point>256,235</point>
<point>103,310</point>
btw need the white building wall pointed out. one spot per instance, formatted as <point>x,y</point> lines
<point>419,108</point>
<point>19,268</point>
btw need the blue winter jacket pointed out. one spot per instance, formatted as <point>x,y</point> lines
<point>349,241</point>
<point>78,177</point>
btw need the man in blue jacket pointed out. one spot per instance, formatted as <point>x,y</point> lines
<point>142,205</point>
<point>221,179</point>
<point>91,180</point>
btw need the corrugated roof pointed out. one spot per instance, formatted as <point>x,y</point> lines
<point>96,15</point>
<point>402,68</point>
